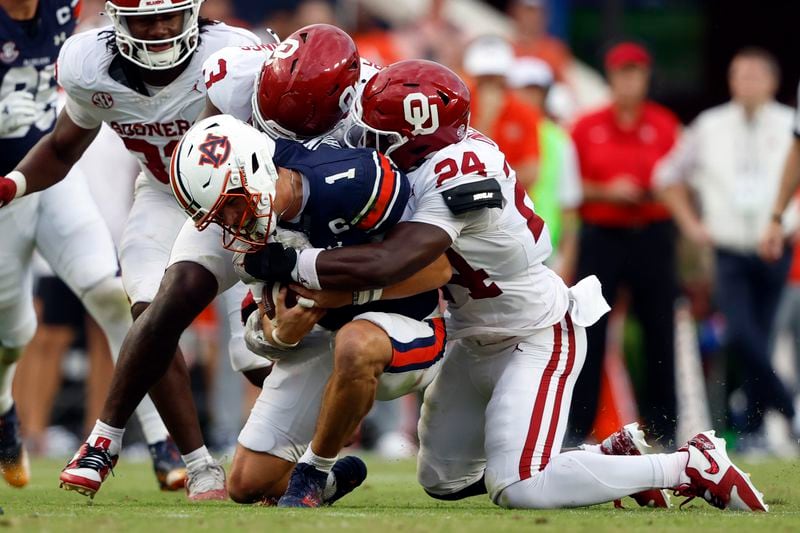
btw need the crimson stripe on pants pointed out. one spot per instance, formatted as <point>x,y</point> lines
<point>538,406</point>
<point>562,382</point>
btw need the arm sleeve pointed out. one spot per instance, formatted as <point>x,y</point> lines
<point>680,163</point>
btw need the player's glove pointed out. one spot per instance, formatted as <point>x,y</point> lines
<point>16,110</point>
<point>274,262</point>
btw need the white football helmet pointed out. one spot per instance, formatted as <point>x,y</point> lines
<point>137,50</point>
<point>219,159</point>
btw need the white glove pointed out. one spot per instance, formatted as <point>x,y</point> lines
<point>18,109</point>
<point>255,341</point>
<point>291,239</point>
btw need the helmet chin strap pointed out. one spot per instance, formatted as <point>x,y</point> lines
<point>292,175</point>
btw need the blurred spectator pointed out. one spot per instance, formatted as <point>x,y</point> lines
<point>556,192</point>
<point>497,111</point>
<point>374,41</point>
<point>732,156</point>
<point>432,36</point>
<point>627,238</point>
<point>314,12</point>
<point>221,10</point>
<point>531,37</point>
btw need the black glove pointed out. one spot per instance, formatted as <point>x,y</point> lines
<point>274,262</point>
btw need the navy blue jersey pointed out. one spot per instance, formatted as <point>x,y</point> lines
<point>28,53</point>
<point>354,195</point>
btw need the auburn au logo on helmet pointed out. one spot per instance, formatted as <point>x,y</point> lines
<point>215,150</point>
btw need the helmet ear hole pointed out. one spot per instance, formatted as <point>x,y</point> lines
<point>254,162</point>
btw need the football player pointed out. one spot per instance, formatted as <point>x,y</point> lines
<point>63,223</point>
<point>494,418</point>
<point>290,92</point>
<point>228,173</point>
<point>143,77</point>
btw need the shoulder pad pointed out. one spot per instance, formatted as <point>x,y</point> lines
<point>473,196</point>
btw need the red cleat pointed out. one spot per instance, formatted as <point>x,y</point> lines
<point>630,441</point>
<point>715,478</point>
<point>88,468</point>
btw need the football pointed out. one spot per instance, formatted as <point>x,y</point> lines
<point>270,296</point>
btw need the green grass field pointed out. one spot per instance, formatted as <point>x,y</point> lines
<point>389,501</point>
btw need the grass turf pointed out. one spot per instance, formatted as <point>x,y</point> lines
<point>390,500</point>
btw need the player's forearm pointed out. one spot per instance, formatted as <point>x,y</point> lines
<point>408,248</point>
<point>42,166</point>
<point>790,178</point>
<point>429,278</point>
<point>51,159</point>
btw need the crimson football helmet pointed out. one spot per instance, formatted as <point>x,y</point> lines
<point>307,85</point>
<point>140,51</point>
<point>409,110</point>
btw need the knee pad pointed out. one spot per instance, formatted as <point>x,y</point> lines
<point>106,301</point>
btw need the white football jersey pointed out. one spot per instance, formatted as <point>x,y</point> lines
<point>231,74</point>
<point>500,284</point>
<point>150,126</point>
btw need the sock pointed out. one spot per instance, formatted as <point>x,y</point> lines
<point>6,380</point>
<point>114,436</point>
<point>673,468</point>
<point>576,479</point>
<point>153,428</point>
<point>198,459</point>
<point>330,486</point>
<point>323,464</point>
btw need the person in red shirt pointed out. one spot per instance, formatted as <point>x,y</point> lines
<point>627,237</point>
<point>497,111</point>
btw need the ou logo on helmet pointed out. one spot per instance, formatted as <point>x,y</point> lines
<point>285,49</point>
<point>419,111</point>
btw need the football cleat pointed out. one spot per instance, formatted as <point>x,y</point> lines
<point>349,472</point>
<point>88,468</point>
<point>168,465</point>
<point>207,483</point>
<point>305,487</point>
<point>13,456</point>
<point>714,477</point>
<point>630,441</point>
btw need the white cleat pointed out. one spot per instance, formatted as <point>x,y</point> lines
<point>207,483</point>
<point>715,478</point>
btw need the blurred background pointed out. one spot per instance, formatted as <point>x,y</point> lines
<point>651,135</point>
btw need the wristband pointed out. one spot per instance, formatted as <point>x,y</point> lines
<point>777,218</point>
<point>279,342</point>
<point>305,272</point>
<point>366,296</point>
<point>19,179</point>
